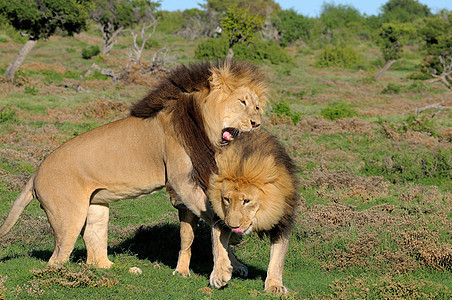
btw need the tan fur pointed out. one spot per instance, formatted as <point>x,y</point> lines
<point>255,189</point>
<point>164,142</point>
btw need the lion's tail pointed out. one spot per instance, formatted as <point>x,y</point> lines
<point>19,205</point>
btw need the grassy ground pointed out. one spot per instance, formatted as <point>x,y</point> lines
<point>376,218</point>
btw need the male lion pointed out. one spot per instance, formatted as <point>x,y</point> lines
<point>255,189</point>
<point>169,140</point>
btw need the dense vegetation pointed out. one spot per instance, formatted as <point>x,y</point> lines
<point>374,148</point>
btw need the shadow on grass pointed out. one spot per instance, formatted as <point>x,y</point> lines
<point>160,243</point>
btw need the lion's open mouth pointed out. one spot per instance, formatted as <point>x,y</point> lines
<point>228,134</point>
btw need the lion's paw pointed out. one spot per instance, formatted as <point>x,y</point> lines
<point>182,273</point>
<point>274,287</point>
<point>220,277</point>
<point>241,270</point>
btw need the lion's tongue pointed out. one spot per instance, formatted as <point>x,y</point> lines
<point>227,136</point>
<point>237,230</point>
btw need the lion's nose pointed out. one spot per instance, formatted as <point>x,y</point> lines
<point>255,124</point>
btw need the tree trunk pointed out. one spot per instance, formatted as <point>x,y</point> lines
<point>19,60</point>
<point>230,53</point>
<point>109,36</point>
<point>389,63</point>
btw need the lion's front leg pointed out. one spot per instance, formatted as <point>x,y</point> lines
<point>278,251</point>
<point>222,267</point>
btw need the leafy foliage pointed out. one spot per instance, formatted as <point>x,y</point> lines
<point>258,51</point>
<point>87,53</point>
<point>283,109</point>
<point>212,48</point>
<point>338,56</point>
<point>437,36</point>
<point>291,26</point>
<point>392,38</point>
<point>239,25</point>
<point>41,19</point>
<point>404,11</point>
<point>338,110</point>
<point>339,16</point>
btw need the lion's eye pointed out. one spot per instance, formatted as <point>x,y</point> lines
<point>226,200</point>
<point>243,102</point>
<point>257,107</point>
<point>246,201</point>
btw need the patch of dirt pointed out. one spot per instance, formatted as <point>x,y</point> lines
<point>39,66</point>
<point>341,184</point>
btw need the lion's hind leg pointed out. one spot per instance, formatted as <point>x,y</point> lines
<point>188,223</point>
<point>67,219</point>
<point>95,235</point>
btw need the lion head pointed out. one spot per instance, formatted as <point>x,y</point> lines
<point>255,187</point>
<point>207,104</point>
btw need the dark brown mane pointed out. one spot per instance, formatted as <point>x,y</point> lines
<point>180,82</point>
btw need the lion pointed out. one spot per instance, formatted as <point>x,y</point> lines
<point>254,189</point>
<point>169,140</point>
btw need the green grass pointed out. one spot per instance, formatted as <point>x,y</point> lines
<point>376,214</point>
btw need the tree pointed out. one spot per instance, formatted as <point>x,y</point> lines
<point>114,16</point>
<point>392,37</point>
<point>436,33</point>
<point>239,25</point>
<point>403,11</point>
<point>291,26</point>
<point>39,19</point>
<point>339,16</point>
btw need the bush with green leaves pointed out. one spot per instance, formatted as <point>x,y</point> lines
<point>338,110</point>
<point>391,89</point>
<point>404,11</point>
<point>437,38</point>
<point>41,19</point>
<point>409,167</point>
<point>88,53</point>
<point>212,48</point>
<point>239,25</point>
<point>258,51</point>
<point>292,27</point>
<point>283,109</point>
<point>338,56</point>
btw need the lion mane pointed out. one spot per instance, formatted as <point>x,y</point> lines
<point>180,94</point>
<point>256,158</point>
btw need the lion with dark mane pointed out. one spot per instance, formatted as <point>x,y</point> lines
<point>169,140</point>
<point>255,189</point>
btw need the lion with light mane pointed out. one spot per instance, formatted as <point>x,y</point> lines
<point>169,140</point>
<point>255,189</point>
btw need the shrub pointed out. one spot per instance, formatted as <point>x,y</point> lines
<point>87,53</point>
<point>258,51</point>
<point>7,114</point>
<point>410,167</point>
<point>338,56</point>
<point>338,110</point>
<point>391,89</point>
<point>420,124</point>
<point>283,109</point>
<point>292,26</point>
<point>211,49</point>
<point>31,90</point>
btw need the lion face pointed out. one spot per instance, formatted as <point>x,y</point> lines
<point>242,110</point>
<point>239,205</point>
